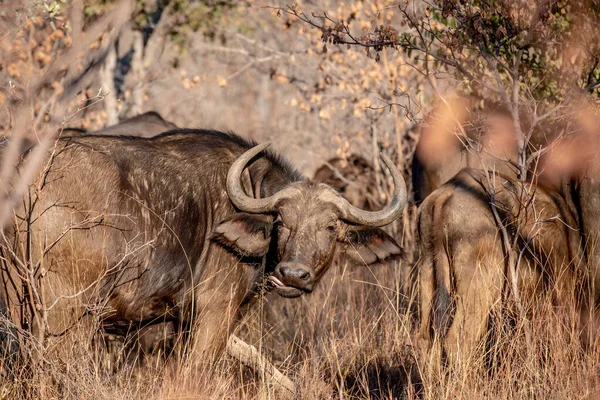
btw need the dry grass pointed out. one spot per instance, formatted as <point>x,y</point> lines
<point>351,339</point>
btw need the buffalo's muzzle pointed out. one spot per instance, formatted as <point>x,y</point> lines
<point>290,277</point>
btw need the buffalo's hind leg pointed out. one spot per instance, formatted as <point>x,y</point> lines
<point>426,342</point>
<point>478,281</point>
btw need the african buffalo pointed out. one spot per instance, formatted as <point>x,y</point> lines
<point>146,125</point>
<point>581,188</point>
<point>463,271</point>
<point>572,167</point>
<point>186,226</point>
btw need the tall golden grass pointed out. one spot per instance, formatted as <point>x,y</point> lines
<point>351,339</point>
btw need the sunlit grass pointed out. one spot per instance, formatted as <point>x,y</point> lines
<point>352,338</point>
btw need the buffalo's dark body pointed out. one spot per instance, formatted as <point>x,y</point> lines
<point>154,225</point>
<point>582,192</point>
<point>464,272</point>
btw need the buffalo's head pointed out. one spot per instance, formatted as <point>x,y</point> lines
<point>302,223</point>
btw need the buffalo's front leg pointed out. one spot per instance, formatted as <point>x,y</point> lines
<point>216,312</point>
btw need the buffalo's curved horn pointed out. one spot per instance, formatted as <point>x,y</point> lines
<point>383,217</point>
<point>234,186</point>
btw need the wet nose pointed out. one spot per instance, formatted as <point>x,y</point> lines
<point>294,273</point>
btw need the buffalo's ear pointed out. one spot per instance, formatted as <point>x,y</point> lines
<point>246,234</point>
<point>367,246</point>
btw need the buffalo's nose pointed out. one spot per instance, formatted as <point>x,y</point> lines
<point>296,275</point>
<point>291,273</point>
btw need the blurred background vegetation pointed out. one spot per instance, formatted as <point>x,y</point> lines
<point>318,78</point>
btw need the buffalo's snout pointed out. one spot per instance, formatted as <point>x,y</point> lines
<point>296,275</point>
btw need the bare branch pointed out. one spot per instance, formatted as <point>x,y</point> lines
<point>250,356</point>
<point>110,22</point>
<point>23,122</point>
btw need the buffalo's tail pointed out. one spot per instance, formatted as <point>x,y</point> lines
<point>443,305</point>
